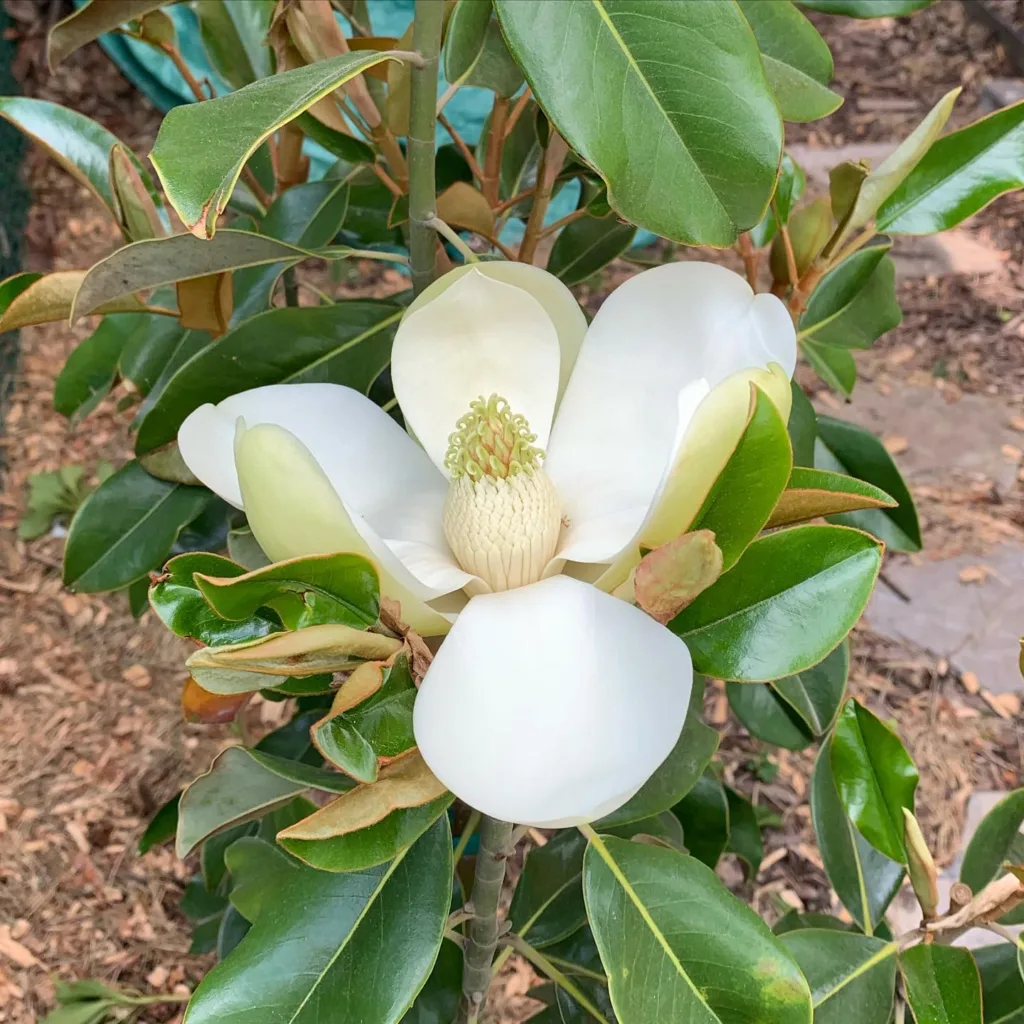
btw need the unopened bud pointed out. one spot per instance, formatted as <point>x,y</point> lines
<point>921,867</point>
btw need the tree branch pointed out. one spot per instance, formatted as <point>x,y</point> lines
<point>550,165</point>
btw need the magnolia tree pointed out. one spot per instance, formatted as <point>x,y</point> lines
<point>488,552</point>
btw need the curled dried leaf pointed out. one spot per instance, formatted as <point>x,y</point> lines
<point>201,705</point>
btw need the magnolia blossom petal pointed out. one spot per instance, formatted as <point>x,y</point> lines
<point>660,342</point>
<point>559,303</point>
<point>294,510</point>
<point>478,338</point>
<point>552,704</point>
<point>383,474</point>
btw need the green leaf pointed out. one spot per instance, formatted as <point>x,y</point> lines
<point>867,8</point>
<point>809,230</point>
<point>846,448</point>
<point>811,493</point>
<point>49,299</point>
<point>76,142</point>
<point>362,944</point>
<point>162,826</point>
<point>199,179</point>
<point>852,977</point>
<point>374,844</point>
<point>242,785</point>
<point>942,984</point>
<point>51,494</point>
<point>659,82</point>
<point>788,189</point>
<point>961,173</point>
<point>704,815</point>
<point>835,366</point>
<point>547,905</point>
<point>992,842</point>
<point>341,588</point>
<point>796,59</point>
<point>438,1000</point>
<point>475,52</point>
<point>89,372</point>
<point>817,693</point>
<point>347,343</point>
<point>664,962</point>
<point>766,716</point>
<point>744,832</point>
<point>792,921</point>
<point>883,181</point>
<point>875,778</point>
<point>126,527</point>
<point>840,287</point>
<point>1002,984</point>
<point>159,261</point>
<point>678,773</point>
<point>179,603</point>
<point>13,286</point>
<point>788,602</point>
<point>874,311</point>
<point>802,427</point>
<point>746,491</point>
<point>587,246</point>
<point>90,22</point>
<point>865,880</point>
<point>234,38</point>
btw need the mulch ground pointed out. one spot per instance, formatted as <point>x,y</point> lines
<point>91,735</point>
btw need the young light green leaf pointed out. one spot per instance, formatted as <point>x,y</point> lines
<point>840,288</point>
<point>91,21</point>
<point>199,178</point>
<point>655,79</point>
<point>873,311</point>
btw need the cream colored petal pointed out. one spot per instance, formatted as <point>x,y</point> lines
<point>478,338</point>
<point>659,342</point>
<point>293,510</point>
<point>559,303</point>
<point>552,704</point>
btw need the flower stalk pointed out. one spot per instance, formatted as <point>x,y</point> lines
<point>426,40</point>
<point>482,933</point>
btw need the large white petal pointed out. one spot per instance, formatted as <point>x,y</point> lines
<point>552,704</point>
<point>384,475</point>
<point>559,303</point>
<point>657,345</point>
<point>479,337</point>
<point>294,510</point>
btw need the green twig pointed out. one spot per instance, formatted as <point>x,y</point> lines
<point>472,823</point>
<point>542,963</point>
<point>453,236</point>
<point>426,39</point>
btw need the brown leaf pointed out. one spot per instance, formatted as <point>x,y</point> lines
<point>799,504</point>
<point>406,782</point>
<point>205,303</point>
<point>200,705</point>
<point>463,206</point>
<point>670,577</point>
<point>133,205</point>
<point>364,682</point>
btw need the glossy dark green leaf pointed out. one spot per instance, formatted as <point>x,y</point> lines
<point>744,832</point>
<point>811,493</point>
<point>835,366</point>
<point>852,977</point>
<point>704,815</point>
<point>942,984</point>
<point>233,928</point>
<point>80,145</point>
<point>796,59</point>
<point>199,179</point>
<point>875,778</point>
<point>306,591</point>
<point>664,827</point>
<point>161,827</point>
<point>1002,984</point>
<point>865,880</point>
<point>845,448</point>
<point>347,343</point>
<point>547,905</point>
<point>126,527</point>
<point>89,372</point>
<point>816,694</point>
<point>11,287</point>
<point>840,287</point>
<point>242,785</point>
<point>788,602</point>
<point>155,345</point>
<point>749,486</point>
<point>438,1000</point>
<point>961,173</point>
<point>362,944</point>
<point>766,716</point>
<point>991,843</point>
<point>802,427</point>
<point>211,856</point>
<point>234,38</point>
<point>587,246</point>
<point>867,8</point>
<point>678,773</point>
<point>375,844</point>
<point>792,921</point>
<point>658,82</point>
<point>184,611</point>
<point>664,962</point>
<point>199,904</point>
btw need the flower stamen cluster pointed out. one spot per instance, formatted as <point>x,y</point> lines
<point>491,440</point>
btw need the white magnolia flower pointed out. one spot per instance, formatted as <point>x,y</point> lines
<point>547,453</point>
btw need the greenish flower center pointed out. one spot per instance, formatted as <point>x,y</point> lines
<point>491,441</point>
